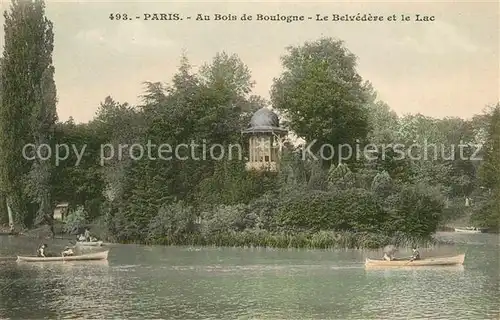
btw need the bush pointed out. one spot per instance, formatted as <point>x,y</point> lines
<point>174,221</point>
<point>416,210</point>
<point>488,214</point>
<point>382,184</point>
<point>264,210</point>
<point>75,220</point>
<point>343,210</point>
<point>99,229</point>
<point>455,210</point>
<point>221,219</point>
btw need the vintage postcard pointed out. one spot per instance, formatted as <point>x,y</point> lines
<point>249,159</point>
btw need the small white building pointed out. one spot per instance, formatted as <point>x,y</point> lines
<point>61,211</point>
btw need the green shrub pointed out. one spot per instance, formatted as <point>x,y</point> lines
<point>487,214</point>
<point>343,210</point>
<point>264,210</point>
<point>75,220</point>
<point>222,219</point>
<point>416,210</point>
<point>172,221</point>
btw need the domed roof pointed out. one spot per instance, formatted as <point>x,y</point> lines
<point>264,118</point>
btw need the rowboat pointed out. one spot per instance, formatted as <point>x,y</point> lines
<point>89,243</point>
<point>443,261</point>
<point>84,257</point>
<point>469,230</point>
<point>456,268</point>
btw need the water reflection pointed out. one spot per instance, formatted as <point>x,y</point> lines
<point>21,290</point>
<point>213,283</point>
<point>434,292</point>
<point>35,290</point>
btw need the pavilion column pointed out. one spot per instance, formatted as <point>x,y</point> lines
<point>270,150</point>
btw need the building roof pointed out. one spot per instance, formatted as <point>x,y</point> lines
<point>62,205</point>
<point>264,120</point>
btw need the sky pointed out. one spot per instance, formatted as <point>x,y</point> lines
<point>448,67</point>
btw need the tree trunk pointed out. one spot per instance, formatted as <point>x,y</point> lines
<point>4,217</point>
<point>9,211</point>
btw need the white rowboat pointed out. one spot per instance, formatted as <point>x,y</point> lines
<point>443,261</point>
<point>469,230</point>
<point>84,257</point>
<point>89,243</point>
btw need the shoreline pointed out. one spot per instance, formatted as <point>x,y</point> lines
<point>321,240</point>
<point>252,238</point>
<point>297,240</point>
<point>265,239</point>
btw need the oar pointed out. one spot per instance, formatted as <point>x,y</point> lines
<point>406,264</point>
<point>409,261</point>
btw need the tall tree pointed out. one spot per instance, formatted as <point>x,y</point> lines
<point>28,110</point>
<point>227,72</point>
<point>489,212</point>
<point>490,169</point>
<point>322,95</point>
<point>4,214</point>
<point>383,121</point>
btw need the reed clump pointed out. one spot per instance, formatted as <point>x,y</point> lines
<point>301,240</point>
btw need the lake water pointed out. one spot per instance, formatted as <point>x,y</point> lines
<point>140,282</point>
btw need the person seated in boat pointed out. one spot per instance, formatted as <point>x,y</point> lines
<point>415,255</point>
<point>87,234</point>
<point>93,239</point>
<point>67,252</point>
<point>40,252</point>
<point>80,238</point>
<point>389,252</point>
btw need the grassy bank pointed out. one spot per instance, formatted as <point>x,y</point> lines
<point>306,240</point>
<point>265,239</point>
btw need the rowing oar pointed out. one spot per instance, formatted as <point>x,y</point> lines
<point>406,264</point>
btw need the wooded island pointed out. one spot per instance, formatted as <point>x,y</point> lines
<point>296,202</point>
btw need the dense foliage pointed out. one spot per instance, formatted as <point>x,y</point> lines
<point>27,112</point>
<point>320,78</point>
<point>488,215</point>
<point>153,198</point>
